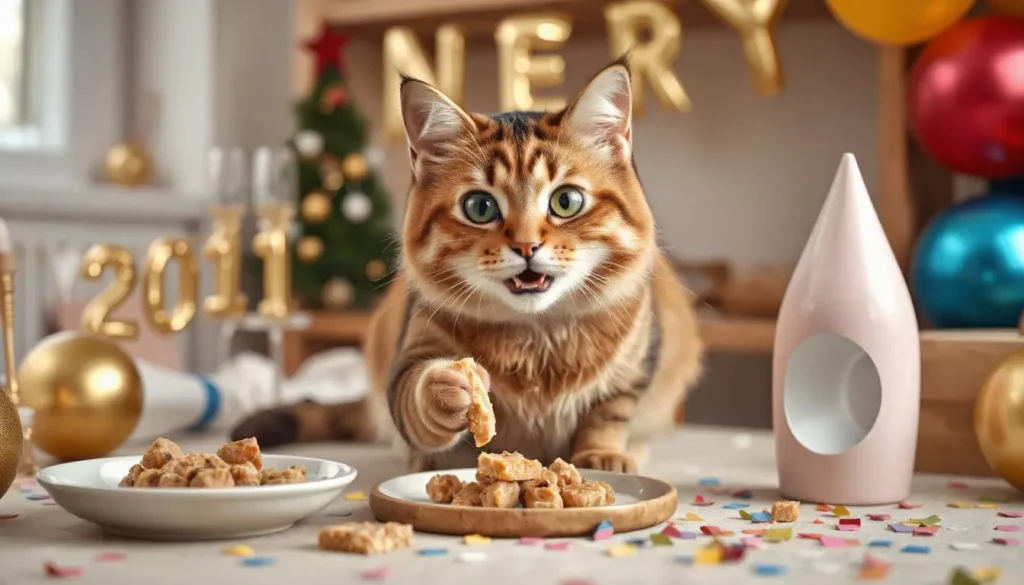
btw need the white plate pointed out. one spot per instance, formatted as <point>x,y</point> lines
<point>88,489</point>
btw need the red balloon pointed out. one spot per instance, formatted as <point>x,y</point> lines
<point>966,98</point>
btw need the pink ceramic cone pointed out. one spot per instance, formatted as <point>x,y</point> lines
<point>846,364</point>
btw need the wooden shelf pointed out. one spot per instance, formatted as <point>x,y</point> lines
<point>738,335</point>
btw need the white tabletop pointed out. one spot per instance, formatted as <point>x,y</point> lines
<point>740,460</point>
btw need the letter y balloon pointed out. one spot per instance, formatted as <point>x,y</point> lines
<point>846,363</point>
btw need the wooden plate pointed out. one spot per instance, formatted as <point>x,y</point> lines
<point>640,502</point>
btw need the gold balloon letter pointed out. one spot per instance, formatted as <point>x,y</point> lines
<point>94,315</point>
<point>271,244</point>
<point>154,271</point>
<point>404,54</point>
<point>519,71</point>
<point>651,59</point>
<point>223,249</point>
<point>754,20</point>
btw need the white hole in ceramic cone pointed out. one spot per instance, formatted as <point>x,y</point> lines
<point>832,394</point>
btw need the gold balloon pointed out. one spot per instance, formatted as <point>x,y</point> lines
<point>651,59</point>
<point>755,21</point>
<point>309,248</point>
<point>94,315</point>
<point>337,293</point>
<point>1007,7</point>
<point>86,392</point>
<point>519,71</point>
<point>154,272</point>
<point>355,167</point>
<point>376,269</point>
<point>999,420</point>
<point>316,207</point>
<point>402,52</point>
<point>11,446</point>
<point>903,22</point>
<point>128,165</point>
<point>271,245</point>
<point>224,249</point>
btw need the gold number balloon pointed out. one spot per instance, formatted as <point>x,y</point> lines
<point>902,22</point>
<point>651,59</point>
<point>94,315</point>
<point>999,420</point>
<point>755,21</point>
<point>271,245</point>
<point>519,70</point>
<point>154,279</point>
<point>223,249</point>
<point>402,52</point>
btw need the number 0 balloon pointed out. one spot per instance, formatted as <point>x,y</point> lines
<point>899,22</point>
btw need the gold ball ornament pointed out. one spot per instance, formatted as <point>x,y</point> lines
<point>128,165</point>
<point>376,269</point>
<point>11,437</point>
<point>86,392</point>
<point>309,248</point>
<point>337,293</point>
<point>999,420</point>
<point>316,207</point>
<point>355,167</point>
<point>330,174</point>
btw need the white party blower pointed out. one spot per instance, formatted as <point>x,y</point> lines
<point>846,364</point>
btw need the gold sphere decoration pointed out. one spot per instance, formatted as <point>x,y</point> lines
<point>337,293</point>
<point>376,269</point>
<point>128,165</point>
<point>316,207</point>
<point>330,173</point>
<point>309,248</point>
<point>11,437</point>
<point>355,167</point>
<point>86,392</point>
<point>999,420</point>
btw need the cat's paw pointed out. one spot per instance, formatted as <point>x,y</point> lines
<point>271,428</point>
<point>604,461</point>
<point>443,395</point>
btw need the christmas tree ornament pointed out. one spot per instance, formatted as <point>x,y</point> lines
<point>330,174</point>
<point>999,420</point>
<point>12,434</point>
<point>86,393</point>
<point>653,33</point>
<point>376,269</point>
<point>755,21</point>
<point>376,157</point>
<point>355,167</point>
<point>223,248</point>
<point>328,49</point>
<point>520,69</point>
<point>898,23</point>
<point>95,314</point>
<point>316,207</point>
<point>333,98</point>
<point>309,143</point>
<point>128,165</point>
<point>337,293</point>
<point>154,281</point>
<point>309,248</point>
<point>356,207</point>
<point>271,245</point>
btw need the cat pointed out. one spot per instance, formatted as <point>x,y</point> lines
<point>528,244</point>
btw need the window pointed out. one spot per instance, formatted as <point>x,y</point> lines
<point>13,58</point>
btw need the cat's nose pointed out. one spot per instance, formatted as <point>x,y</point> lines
<point>525,249</point>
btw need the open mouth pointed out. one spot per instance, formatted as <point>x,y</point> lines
<point>528,281</point>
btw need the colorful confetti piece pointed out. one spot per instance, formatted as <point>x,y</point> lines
<point>258,561</point>
<point>769,570</point>
<point>476,540</point>
<point>993,499</point>
<point>1007,528</point>
<point>560,545</point>
<point>755,531</point>
<point>849,524</point>
<point>753,543</point>
<point>818,521</point>
<point>840,511</point>
<point>711,530</point>
<point>639,542</point>
<point>745,515</point>
<point>709,555</point>
<point>929,521</point>
<point>760,517</point>
<point>603,531</point>
<point>901,528</point>
<point>355,496</point>
<point>472,557</point>
<point>690,516</point>
<point>54,570</point>
<point>736,506</point>
<point>823,508</point>
<point>700,500</point>
<point>660,540</point>
<point>8,516</point>
<point>743,494</point>
<point>874,568</point>
<point>957,485</point>
<point>916,549</point>
<point>809,535</point>
<point>832,542</point>
<point>378,574</point>
<point>987,574</point>
<point>926,530</point>
<point>965,546</point>
<point>38,497</point>
<point>962,576</point>
<point>239,550</point>
<point>880,543</point>
<point>1006,541</point>
<point>909,506</point>
<point>709,481</point>
<point>778,535</point>
<point>109,557</point>
<point>620,551</point>
<point>986,505</point>
<point>960,505</point>
<point>672,532</point>
<point>432,552</point>
<point>531,540</point>
<point>1003,513</point>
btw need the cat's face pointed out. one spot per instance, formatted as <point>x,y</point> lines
<point>518,214</point>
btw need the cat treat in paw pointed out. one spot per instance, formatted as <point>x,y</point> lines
<point>443,488</point>
<point>509,466</point>
<point>481,412</point>
<point>366,538</point>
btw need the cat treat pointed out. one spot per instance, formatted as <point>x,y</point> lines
<point>481,412</point>
<point>501,494</point>
<point>443,488</point>
<point>236,464</point>
<point>367,538</point>
<point>471,494</point>
<point>785,511</point>
<point>508,466</point>
<point>566,472</point>
<point>542,497</point>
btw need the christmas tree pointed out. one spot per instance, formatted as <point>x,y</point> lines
<point>343,251</point>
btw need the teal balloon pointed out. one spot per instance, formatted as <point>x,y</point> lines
<point>968,267</point>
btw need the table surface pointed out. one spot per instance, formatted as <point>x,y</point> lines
<point>46,533</point>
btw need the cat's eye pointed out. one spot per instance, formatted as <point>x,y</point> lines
<point>566,202</point>
<point>480,207</point>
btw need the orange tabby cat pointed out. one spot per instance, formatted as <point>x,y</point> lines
<point>528,245</point>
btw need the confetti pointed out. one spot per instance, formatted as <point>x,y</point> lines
<point>761,517</point>
<point>736,506</point>
<point>258,561</point>
<point>745,515</point>
<point>672,531</point>
<point>54,570</point>
<point>993,499</point>
<point>832,542</point>
<point>960,505</point>
<point>378,574</point>
<point>432,552</point>
<point>561,545</point>
<point>637,542</point>
<point>986,505</point>
<point>874,568</point>
<point>531,540</point>
<point>603,531</point>
<point>1007,528</point>
<point>109,557</point>
<point>823,508</point>
<point>818,521</point>
<point>929,521</point>
<point>472,557</point>
<point>239,550</point>
<point>769,570</point>
<point>926,531</point>
<point>38,497</point>
<point>880,543</point>
<point>753,543</point>
<point>901,528</point>
<point>809,535</point>
<point>840,511</point>
<point>1005,541</point>
<point>355,496</point>
<point>779,535</point>
<point>8,516</point>
<point>965,546</point>
<point>620,551</point>
<point>743,494</point>
<point>879,517</point>
<point>987,574</point>
<point>700,500</point>
<point>962,576</point>
<point>1003,513</point>
<point>909,506</point>
<point>709,555</point>
<point>957,485</point>
<point>690,516</point>
<point>711,530</point>
<point>849,524</point>
<point>709,481</point>
<point>916,548</point>
<point>661,540</point>
<point>476,540</point>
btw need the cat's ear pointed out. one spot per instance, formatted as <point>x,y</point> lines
<point>601,115</point>
<point>434,124</point>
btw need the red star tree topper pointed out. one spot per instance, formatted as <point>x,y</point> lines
<point>328,48</point>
